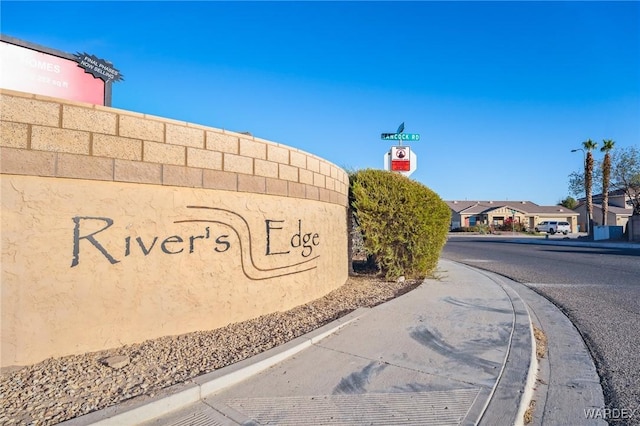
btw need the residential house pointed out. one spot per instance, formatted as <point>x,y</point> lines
<point>620,209</point>
<point>497,213</point>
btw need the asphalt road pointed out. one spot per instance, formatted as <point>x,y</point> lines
<point>597,288</point>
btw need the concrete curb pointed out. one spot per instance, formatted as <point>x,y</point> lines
<point>532,377</point>
<point>572,383</point>
<point>517,373</point>
<point>145,408</point>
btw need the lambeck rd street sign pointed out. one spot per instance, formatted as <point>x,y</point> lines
<point>400,136</point>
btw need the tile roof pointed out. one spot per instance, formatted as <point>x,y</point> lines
<point>477,207</point>
<point>480,206</point>
<point>615,209</point>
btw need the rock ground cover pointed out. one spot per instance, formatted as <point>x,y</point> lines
<point>59,389</point>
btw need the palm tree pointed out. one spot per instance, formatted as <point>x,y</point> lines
<point>607,145</point>
<point>589,145</point>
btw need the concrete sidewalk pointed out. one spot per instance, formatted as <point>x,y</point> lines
<point>457,350</point>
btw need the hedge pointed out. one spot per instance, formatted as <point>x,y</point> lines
<point>404,223</point>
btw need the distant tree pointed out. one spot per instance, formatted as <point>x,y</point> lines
<point>625,174</point>
<point>569,203</point>
<point>576,179</point>
<point>607,145</point>
<point>589,146</point>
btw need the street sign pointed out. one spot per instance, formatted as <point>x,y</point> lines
<point>400,136</point>
<point>396,153</point>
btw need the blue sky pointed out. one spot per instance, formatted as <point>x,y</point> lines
<point>500,92</point>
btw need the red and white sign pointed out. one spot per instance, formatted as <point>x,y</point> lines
<point>400,158</point>
<point>30,71</point>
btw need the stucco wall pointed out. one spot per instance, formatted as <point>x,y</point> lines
<point>119,227</point>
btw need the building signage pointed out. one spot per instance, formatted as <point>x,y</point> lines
<point>286,239</point>
<point>99,68</point>
<point>30,68</point>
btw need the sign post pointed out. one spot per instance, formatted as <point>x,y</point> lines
<point>400,158</point>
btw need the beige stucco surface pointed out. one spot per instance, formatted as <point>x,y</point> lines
<point>89,265</point>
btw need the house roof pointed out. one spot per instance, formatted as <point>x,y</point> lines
<point>614,209</point>
<point>552,209</point>
<point>527,207</point>
<point>612,193</point>
<point>481,206</point>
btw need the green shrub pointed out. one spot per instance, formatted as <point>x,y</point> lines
<point>481,228</point>
<point>404,223</point>
<point>509,226</point>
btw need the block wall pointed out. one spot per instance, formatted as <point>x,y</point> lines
<point>118,227</point>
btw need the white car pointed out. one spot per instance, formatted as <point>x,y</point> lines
<point>553,226</point>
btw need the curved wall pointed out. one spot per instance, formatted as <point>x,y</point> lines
<point>119,227</point>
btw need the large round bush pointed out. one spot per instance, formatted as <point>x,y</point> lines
<point>404,224</point>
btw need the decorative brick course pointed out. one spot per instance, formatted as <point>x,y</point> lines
<point>238,164</point>
<point>89,119</point>
<point>312,192</point>
<point>182,135</point>
<point>325,169</point>
<point>277,187</point>
<point>306,176</point>
<point>330,183</point>
<point>83,167</point>
<point>31,111</point>
<point>313,164</point>
<point>155,152</point>
<point>325,195</point>
<point>46,136</point>
<point>298,159</point>
<point>117,147</point>
<point>277,154</point>
<point>14,135</point>
<point>181,176</point>
<point>288,172</point>
<point>297,190</point>
<point>265,168</point>
<point>21,162</point>
<point>319,180</point>
<point>141,128</point>
<point>204,159</point>
<point>333,172</point>
<point>255,184</point>
<point>253,149</point>
<point>215,179</point>
<point>59,140</point>
<point>222,142</point>
<point>137,172</point>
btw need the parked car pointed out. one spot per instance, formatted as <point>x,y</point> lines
<point>553,226</point>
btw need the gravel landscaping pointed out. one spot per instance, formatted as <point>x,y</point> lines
<point>59,389</point>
